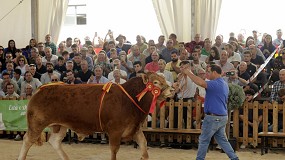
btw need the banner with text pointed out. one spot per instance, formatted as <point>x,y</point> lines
<point>13,115</point>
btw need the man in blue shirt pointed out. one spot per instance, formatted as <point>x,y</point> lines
<point>215,109</point>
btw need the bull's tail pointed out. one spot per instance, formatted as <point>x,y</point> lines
<point>41,139</point>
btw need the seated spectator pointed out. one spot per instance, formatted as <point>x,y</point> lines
<point>207,47</point>
<point>214,55</point>
<point>123,44</point>
<point>11,91</point>
<point>117,77</point>
<point>251,68</point>
<point>76,63</point>
<point>49,57</point>
<point>223,62</point>
<point>167,74</point>
<point>150,48</point>
<point>138,67</point>
<point>160,45</point>
<point>22,64</point>
<point>126,65</point>
<point>60,67</point>
<point>98,78</point>
<point>27,93</point>
<point>32,69</point>
<point>84,56</point>
<point>173,65</point>
<point>242,71</point>
<point>152,66</point>
<point>233,57</point>
<point>17,77</point>
<point>112,44</point>
<point>196,63</point>
<point>277,86</point>
<point>46,77</point>
<point>8,80</point>
<point>255,59</point>
<point>84,74</point>
<point>268,47</point>
<point>34,82</point>
<point>54,78</point>
<point>117,65</point>
<point>136,55</point>
<point>9,69</point>
<point>166,53</point>
<point>103,61</point>
<point>40,68</point>
<point>71,78</point>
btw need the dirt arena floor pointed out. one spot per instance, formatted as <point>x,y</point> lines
<point>9,150</point>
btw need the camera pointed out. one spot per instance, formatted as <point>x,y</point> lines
<point>231,73</point>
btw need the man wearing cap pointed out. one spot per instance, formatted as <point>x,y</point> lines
<point>123,44</point>
<point>279,39</point>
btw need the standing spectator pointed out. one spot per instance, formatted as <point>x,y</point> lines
<point>50,44</point>
<point>215,108</point>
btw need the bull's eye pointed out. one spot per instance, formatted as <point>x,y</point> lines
<point>155,82</point>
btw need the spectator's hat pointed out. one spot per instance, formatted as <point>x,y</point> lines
<point>120,35</point>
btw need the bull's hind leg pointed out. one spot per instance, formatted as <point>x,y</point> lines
<point>140,139</point>
<point>29,139</point>
<point>57,134</point>
<point>114,142</point>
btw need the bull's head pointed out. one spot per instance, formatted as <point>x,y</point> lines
<point>160,82</point>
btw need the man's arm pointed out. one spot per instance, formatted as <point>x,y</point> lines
<point>199,81</point>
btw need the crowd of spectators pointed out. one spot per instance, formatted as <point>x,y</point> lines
<point>24,70</point>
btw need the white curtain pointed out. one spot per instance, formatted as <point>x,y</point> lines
<point>15,25</point>
<point>51,17</point>
<point>174,16</point>
<point>207,17</point>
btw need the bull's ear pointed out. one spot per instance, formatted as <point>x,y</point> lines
<point>145,78</point>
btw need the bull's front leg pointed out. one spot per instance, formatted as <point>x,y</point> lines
<point>140,139</point>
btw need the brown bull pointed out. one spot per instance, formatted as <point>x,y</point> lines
<point>77,107</point>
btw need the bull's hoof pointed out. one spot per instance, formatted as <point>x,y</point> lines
<point>142,158</point>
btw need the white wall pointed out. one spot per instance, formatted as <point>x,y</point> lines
<point>17,24</point>
<point>127,17</point>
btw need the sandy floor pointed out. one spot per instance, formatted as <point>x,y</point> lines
<point>9,150</point>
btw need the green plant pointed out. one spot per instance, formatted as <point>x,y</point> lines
<point>236,96</point>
